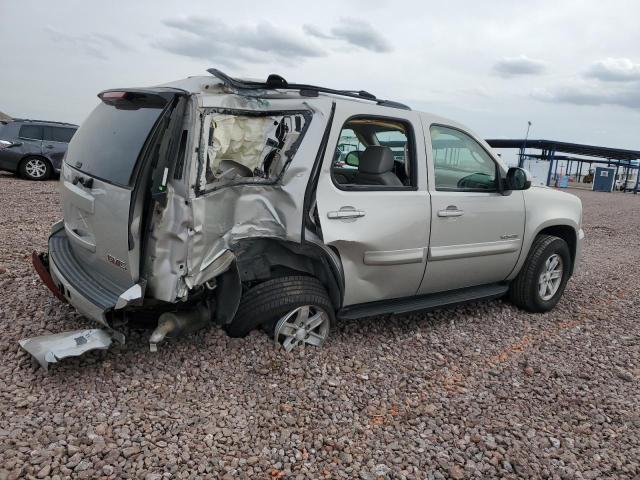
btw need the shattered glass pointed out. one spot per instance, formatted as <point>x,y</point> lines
<point>248,147</point>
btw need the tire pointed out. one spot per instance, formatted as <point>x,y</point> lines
<point>35,168</point>
<point>525,290</point>
<point>266,303</point>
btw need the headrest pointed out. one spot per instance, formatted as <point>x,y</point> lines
<point>376,159</point>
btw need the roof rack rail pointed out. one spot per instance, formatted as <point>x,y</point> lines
<point>275,81</point>
<point>42,121</point>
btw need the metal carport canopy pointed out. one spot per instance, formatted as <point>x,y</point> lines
<point>564,147</point>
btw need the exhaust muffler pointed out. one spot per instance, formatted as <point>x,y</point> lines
<point>174,324</point>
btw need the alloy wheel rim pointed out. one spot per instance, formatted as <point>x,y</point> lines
<point>308,325</point>
<point>551,277</point>
<point>36,168</point>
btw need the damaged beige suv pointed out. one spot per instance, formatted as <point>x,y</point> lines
<point>246,204</point>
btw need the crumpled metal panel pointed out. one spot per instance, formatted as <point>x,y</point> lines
<point>223,217</point>
<point>215,267</point>
<point>131,297</point>
<point>48,349</point>
<point>190,236</point>
<point>167,243</point>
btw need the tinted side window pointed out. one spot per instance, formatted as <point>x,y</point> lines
<point>65,134</point>
<point>349,142</point>
<point>374,153</point>
<point>31,131</point>
<point>59,134</point>
<point>460,162</point>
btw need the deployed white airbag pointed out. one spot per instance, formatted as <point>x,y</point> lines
<point>240,139</point>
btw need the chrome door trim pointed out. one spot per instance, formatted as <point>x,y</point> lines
<point>395,257</point>
<point>474,249</point>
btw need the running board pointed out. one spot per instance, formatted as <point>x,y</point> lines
<point>423,302</point>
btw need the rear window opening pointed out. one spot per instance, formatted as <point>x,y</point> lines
<point>249,147</point>
<point>109,142</point>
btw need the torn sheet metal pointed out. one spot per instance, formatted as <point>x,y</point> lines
<point>48,349</point>
<point>211,268</point>
<point>131,297</point>
<point>238,147</point>
<point>166,263</point>
<point>224,216</point>
<point>189,238</point>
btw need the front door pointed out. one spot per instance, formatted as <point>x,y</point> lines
<point>374,208</point>
<point>476,232</point>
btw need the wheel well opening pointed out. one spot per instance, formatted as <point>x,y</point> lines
<point>568,234</point>
<point>263,259</point>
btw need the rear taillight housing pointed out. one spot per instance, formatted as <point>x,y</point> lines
<point>130,99</point>
<point>113,95</point>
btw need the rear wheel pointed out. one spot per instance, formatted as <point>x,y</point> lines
<point>35,168</point>
<point>543,278</point>
<point>296,310</point>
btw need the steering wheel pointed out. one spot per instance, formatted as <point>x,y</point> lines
<point>476,180</point>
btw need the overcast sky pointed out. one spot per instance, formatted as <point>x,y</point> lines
<point>571,67</point>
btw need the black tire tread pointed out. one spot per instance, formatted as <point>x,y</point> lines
<point>267,302</point>
<point>520,290</point>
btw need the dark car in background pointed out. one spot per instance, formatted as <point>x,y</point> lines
<point>34,148</point>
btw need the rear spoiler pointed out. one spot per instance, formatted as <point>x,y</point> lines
<point>135,98</point>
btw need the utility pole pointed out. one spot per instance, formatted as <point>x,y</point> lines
<point>524,145</point>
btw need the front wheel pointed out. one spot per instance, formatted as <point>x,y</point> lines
<point>543,278</point>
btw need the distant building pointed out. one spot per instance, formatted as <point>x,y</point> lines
<point>4,117</point>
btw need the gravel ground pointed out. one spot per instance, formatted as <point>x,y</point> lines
<point>482,390</point>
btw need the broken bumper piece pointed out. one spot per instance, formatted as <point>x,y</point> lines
<point>40,263</point>
<point>48,349</point>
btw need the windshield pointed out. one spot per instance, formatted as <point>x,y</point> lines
<point>108,143</point>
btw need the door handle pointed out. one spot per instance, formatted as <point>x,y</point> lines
<point>345,214</point>
<point>48,146</point>
<point>450,211</point>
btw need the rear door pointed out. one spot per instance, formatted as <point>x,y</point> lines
<point>31,138</point>
<point>381,231</point>
<point>101,177</point>
<point>55,141</point>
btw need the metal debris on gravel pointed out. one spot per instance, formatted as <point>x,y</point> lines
<point>477,391</point>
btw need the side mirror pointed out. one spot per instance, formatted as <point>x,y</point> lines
<point>16,144</point>
<point>353,159</point>
<point>518,179</point>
